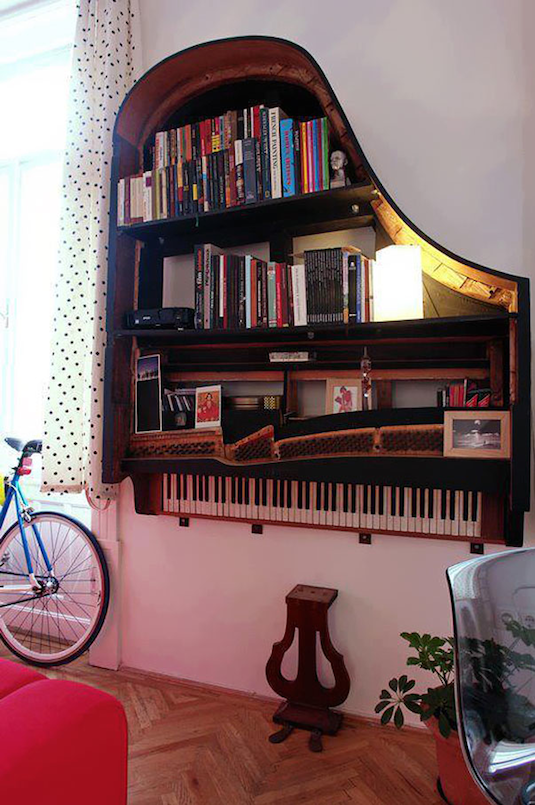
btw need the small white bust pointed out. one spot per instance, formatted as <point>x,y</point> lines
<point>338,164</point>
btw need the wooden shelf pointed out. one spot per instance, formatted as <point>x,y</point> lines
<point>305,214</point>
<point>456,327</point>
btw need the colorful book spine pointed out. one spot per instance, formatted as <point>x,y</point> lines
<point>287,157</point>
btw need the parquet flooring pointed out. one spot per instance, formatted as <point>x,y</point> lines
<point>192,746</point>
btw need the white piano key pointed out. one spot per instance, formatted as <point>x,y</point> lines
<point>339,518</point>
<point>470,525</point>
<point>425,521</point>
<point>462,521</point>
<point>455,521</point>
<point>396,516</point>
<point>433,528</point>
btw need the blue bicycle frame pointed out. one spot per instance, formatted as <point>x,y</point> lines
<point>23,511</point>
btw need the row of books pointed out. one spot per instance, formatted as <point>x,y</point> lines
<point>238,158</point>
<point>333,286</point>
<point>463,394</point>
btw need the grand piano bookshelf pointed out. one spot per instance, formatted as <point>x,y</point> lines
<point>482,332</point>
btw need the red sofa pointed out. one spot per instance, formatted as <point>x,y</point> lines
<point>61,743</point>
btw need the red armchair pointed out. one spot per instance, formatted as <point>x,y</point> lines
<point>60,742</point>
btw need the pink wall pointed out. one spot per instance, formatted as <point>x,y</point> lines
<point>435,92</point>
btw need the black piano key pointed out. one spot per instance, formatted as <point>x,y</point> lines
<point>452,505</point>
<point>402,501</point>
<point>365,501</point>
<point>307,494</point>
<point>216,490</point>
<point>465,506</point>
<point>474,507</point>
<point>233,491</point>
<point>443,499</point>
<point>275,496</point>
<point>353,498</point>
<point>223,489</point>
<point>371,493</point>
<point>319,487</point>
<point>414,501</point>
<point>264,492</point>
<point>422,503</point>
<point>300,494</point>
<point>289,494</point>
<point>207,488</point>
<point>194,487</point>
<point>334,497</point>
<point>346,498</point>
<point>247,491</point>
<point>239,484</point>
<point>393,511</point>
<point>282,494</point>
<point>381,500</point>
<point>431,498</point>
<point>256,488</point>
<point>200,487</point>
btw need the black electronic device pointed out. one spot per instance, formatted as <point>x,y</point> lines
<point>178,318</point>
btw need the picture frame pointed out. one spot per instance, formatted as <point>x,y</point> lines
<point>477,434</point>
<point>208,407</point>
<point>148,395</point>
<point>343,395</point>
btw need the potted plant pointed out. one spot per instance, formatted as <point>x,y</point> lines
<point>436,708</point>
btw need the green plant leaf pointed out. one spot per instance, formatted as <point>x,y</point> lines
<point>381,706</point>
<point>387,715</point>
<point>385,694</point>
<point>402,682</point>
<point>398,718</point>
<point>409,686</point>
<point>393,685</point>
<point>414,707</point>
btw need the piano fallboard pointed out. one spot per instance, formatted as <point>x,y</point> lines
<point>419,511</point>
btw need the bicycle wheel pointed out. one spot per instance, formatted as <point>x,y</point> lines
<point>57,623</point>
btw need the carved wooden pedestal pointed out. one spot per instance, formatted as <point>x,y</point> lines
<point>308,701</point>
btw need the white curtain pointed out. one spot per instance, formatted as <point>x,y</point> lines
<point>105,65</point>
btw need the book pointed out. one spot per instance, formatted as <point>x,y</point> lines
<point>249,170</point>
<point>275,116</point>
<point>287,157</point>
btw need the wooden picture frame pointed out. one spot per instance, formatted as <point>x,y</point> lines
<point>478,433</point>
<point>208,407</point>
<point>343,395</point>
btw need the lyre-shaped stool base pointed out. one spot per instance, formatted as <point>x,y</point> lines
<point>308,704</point>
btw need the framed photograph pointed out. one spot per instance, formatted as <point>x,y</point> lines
<point>208,407</point>
<point>477,434</point>
<point>148,398</point>
<point>343,395</point>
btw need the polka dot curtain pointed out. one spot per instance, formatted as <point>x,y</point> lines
<point>105,65</point>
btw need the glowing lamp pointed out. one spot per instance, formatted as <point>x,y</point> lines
<point>397,284</point>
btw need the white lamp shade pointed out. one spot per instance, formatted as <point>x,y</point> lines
<point>397,284</point>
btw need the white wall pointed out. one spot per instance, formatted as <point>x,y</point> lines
<point>435,94</point>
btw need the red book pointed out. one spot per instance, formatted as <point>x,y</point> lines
<point>290,291</point>
<point>254,301</point>
<point>284,294</point>
<point>310,158</point>
<point>224,259</point>
<point>278,294</point>
<point>189,150</point>
<point>256,121</point>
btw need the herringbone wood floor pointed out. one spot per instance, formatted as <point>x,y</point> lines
<point>192,746</point>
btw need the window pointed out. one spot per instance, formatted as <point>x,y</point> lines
<point>35,55</point>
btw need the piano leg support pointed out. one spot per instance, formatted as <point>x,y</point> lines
<point>365,539</point>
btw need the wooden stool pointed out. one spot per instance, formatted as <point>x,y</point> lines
<point>308,703</point>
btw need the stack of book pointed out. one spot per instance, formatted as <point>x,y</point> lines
<point>463,394</point>
<point>240,157</point>
<point>334,286</point>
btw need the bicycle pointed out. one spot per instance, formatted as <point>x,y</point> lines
<point>54,580</point>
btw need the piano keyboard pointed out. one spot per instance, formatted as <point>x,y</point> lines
<point>362,507</point>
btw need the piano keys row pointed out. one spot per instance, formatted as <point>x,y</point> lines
<point>419,510</point>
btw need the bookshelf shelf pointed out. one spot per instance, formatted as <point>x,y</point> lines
<point>456,327</point>
<point>481,331</point>
<point>303,214</point>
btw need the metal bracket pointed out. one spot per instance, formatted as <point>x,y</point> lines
<point>183,521</point>
<point>365,539</point>
<point>477,547</point>
<point>257,528</point>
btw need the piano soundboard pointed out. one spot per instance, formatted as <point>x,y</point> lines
<point>363,508</point>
